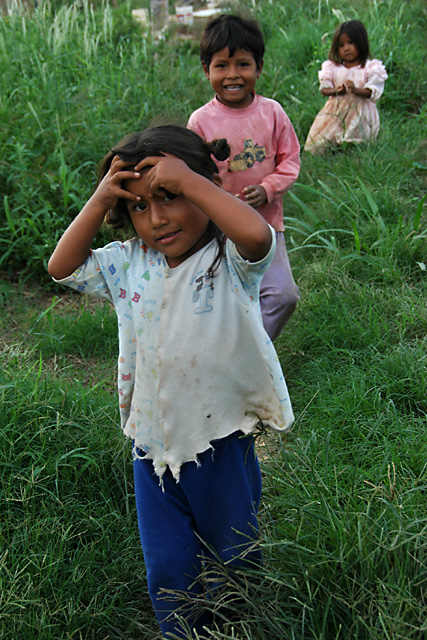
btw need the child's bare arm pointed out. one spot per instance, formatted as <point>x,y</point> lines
<point>357,91</point>
<point>74,247</point>
<point>236,219</point>
<point>333,91</point>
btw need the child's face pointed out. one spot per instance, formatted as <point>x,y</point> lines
<point>233,78</point>
<point>347,50</point>
<point>167,223</point>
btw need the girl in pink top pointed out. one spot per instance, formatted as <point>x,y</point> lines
<point>353,83</point>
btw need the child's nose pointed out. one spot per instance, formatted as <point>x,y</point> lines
<point>158,214</point>
<point>232,71</point>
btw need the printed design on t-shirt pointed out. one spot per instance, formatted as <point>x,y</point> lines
<point>250,154</point>
<point>203,292</point>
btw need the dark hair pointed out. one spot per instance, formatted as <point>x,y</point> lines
<point>357,33</point>
<point>179,142</point>
<point>235,33</point>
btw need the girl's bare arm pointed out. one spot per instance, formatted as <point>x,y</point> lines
<point>348,86</point>
<point>333,91</point>
<point>358,91</point>
<point>74,247</point>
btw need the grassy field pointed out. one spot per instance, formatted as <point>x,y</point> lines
<point>344,524</point>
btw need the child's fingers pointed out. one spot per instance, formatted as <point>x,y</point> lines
<point>128,196</point>
<point>255,195</point>
<point>117,164</point>
<point>121,167</point>
<point>155,179</point>
<point>115,179</point>
<point>254,190</point>
<point>149,161</point>
<point>111,189</point>
<point>164,172</point>
<point>119,171</point>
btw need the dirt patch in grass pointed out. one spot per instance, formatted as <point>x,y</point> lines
<point>22,303</point>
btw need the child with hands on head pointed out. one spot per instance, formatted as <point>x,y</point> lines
<point>197,372</point>
<point>264,159</point>
<point>353,83</point>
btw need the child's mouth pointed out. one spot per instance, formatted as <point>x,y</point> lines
<point>168,237</point>
<point>233,87</point>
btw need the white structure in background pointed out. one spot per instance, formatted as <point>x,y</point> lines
<point>159,14</point>
<point>184,12</point>
<point>207,13</point>
<point>141,16</point>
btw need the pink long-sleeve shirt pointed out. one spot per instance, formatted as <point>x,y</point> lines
<point>264,149</point>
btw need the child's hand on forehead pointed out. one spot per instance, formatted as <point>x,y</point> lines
<point>166,173</point>
<point>110,188</point>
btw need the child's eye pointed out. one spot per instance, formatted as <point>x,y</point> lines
<point>139,207</point>
<point>169,196</point>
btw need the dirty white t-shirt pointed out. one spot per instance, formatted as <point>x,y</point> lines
<point>195,363</point>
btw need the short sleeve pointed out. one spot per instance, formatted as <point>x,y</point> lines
<point>327,75</point>
<point>93,276</point>
<point>245,275</point>
<point>376,76</point>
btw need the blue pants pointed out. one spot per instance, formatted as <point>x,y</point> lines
<point>214,506</point>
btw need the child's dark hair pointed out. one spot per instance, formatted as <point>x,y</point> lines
<point>357,34</point>
<point>235,33</point>
<point>179,142</point>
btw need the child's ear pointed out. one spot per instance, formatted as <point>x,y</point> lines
<point>217,180</point>
<point>205,69</point>
<point>261,64</point>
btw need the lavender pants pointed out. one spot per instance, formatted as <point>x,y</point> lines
<point>279,294</point>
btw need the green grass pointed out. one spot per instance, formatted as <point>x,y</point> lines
<point>344,505</point>
<point>70,561</point>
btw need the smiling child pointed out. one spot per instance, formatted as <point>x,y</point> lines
<point>264,158</point>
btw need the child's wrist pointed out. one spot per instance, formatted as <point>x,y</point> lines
<point>96,207</point>
<point>194,184</point>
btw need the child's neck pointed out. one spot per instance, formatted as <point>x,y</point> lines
<point>237,105</point>
<point>349,65</point>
